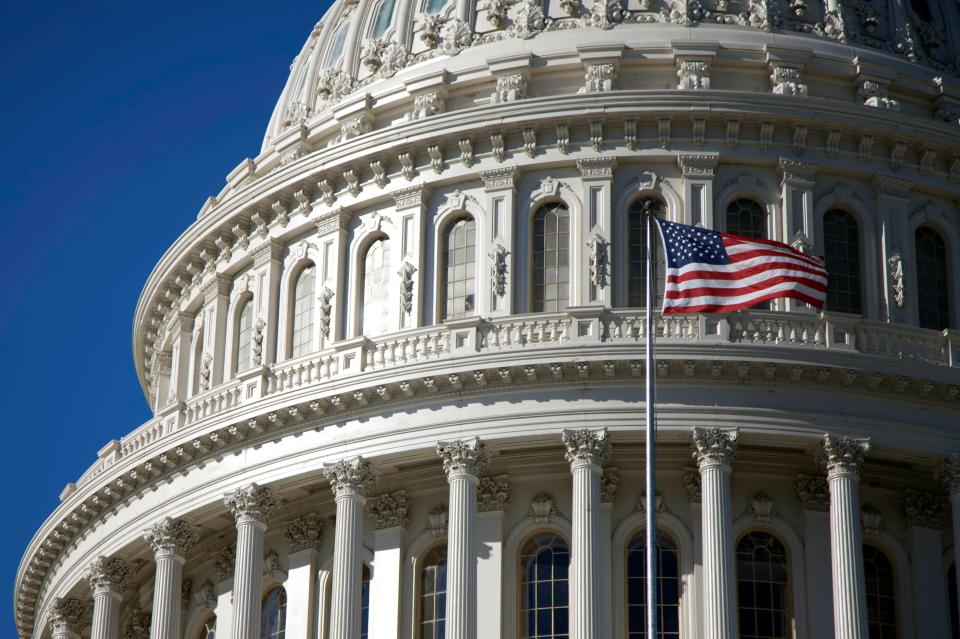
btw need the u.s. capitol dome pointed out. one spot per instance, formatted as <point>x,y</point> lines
<point>425,293</point>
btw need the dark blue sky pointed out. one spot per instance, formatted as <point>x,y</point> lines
<point>118,120</point>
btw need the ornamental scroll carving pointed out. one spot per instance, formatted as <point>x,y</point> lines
<point>599,78</point>
<point>390,510</point>
<point>609,482</point>
<point>171,537</point>
<point>326,311</point>
<point>256,342</point>
<point>252,502</point>
<point>498,270</point>
<point>597,247</point>
<point>205,367</point>
<point>691,484</point>
<point>761,507</point>
<point>492,494</point>
<point>923,509</point>
<point>948,473</point>
<point>406,286</point>
<point>843,454</point>
<point>542,508</point>
<point>813,492</point>
<point>897,282</point>
<point>586,446</point>
<point>528,20</point>
<point>224,562</point>
<point>466,457</point>
<point>714,446</point>
<point>138,626</point>
<point>510,88</point>
<point>304,533</point>
<point>353,476</point>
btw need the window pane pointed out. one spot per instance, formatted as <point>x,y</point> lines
<point>551,246</point>
<point>384,16</point>
<point>365,603</point>
<point>303,312</point>
<point>841,247</point>
<point>375,310</point>
<point>458,269</point>
<point>273,615</point>
<point>433,596</point>
<point>668,587</point>
<point>933,292</point>
<point>881,600</point>
<point>544,587</point>
<point>762,586</point>
<point>637,253</point>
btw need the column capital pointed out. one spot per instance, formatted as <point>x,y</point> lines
<point>925,510</point>
<point>492,494</point>
<point>390,510</point>
<point>714,446</point>
<point>585,447</point>
<point>464,457</point>
<point>814,493</point>
<point>66,615</point>
<point>252,503</point>
<point>107,575</point>
<point>304,533</point>
<point>350,477</point>
<point>843,455</point>
<point>948,472</point>
<point>170,536</point>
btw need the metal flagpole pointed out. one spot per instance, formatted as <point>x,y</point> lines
<point>650,434</point>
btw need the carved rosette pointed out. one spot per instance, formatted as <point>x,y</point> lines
<point>492,494</point>
<point>252,503</point>
<point>949,474</point>
<point>466,457</point>
<point>923,509</point>
<point>304,533</point>
<point>714,446</point>
<point>814,493</point>
<point>843,455</point>
<point>352,477</point>
<point>66,615</point>
<point>586,447</point>
<point>390,510</point>
<point>171,537</point>
<point>107,575</point>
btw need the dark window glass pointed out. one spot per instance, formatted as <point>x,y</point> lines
<point>952,594</point>
<point>551,258</point>
<point>746,219</point>
<point>365,602</point>
<point>433,594</point>
<point>544,588</point>
<point>841,246</point>
<point>637,253</point>
<point>668,587</point>
<point>273,615</point>
<point>922,9</point>
<point>458,289</point>
<point>881,596</point>
<point>933,296</point>
<point>762,587</point>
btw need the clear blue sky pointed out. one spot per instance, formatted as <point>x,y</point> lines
<point>118,120</point>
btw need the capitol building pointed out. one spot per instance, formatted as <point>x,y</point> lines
<point>396,365</point>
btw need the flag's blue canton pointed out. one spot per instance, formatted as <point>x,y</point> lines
<point>686,244</point>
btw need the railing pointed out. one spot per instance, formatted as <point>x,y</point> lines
<point>213,401</point>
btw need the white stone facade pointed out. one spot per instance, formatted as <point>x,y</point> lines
<point>422,294</point>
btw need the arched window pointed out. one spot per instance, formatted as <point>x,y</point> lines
<point>746,218</point>
<point>933,294</point>
<point>376,288</point>
<point>952,595</point>
<point>841,247</point>
<point>881,595</point>
<point>433,594</point>
<point>762,587</point>
<point>434,6</point>
<point>637,252</point>
<point>668,587</point>
<point>365,602</point>
<point>458,290</point>
<point>244,335</point>
<point>273,615</point>
<point>209,629</point>
<point>383,18</point>
<point>551,258</point>
<point>302,336</point>
<point>336,53</point>
<point>544,587</point>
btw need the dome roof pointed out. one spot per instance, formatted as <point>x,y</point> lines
<point>359,42</point>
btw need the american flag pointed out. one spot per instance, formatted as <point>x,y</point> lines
<point>712,272</point>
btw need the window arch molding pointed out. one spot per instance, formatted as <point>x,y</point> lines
<point>300,257</point>
<point>375,228</point>
<point>238,303</point>
<point>900,560</point>
<point>515,540</point>
<point>746,186</point>
<point>934,217</point>
<point>453,211</point>
<point>789,537</point>
<point>417,550</point>
<point>673,526</point>
<point>842,198</point>
<point>198,616</point>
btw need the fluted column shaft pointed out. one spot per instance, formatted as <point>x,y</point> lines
<point>586,452</point>
<point>714,454</point>
<point>170,540</point>
<point>106,577</point>
<point>843,458</point>
<point>350,480</point>
<point>462,462</point>
<point>252,506</point>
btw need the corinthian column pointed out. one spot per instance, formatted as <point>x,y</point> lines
<point>170,540</point>
<point>252,506</point>
<point>462,461</point>
<point>106,577</point>
<point>65,617</point>
<point>586,452</point>
<point>843,457</point>
<point>350,480</point>
<point>714,450</point>
<point>950,476</point>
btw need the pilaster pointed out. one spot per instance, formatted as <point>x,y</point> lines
<point>303,536</point>
<point>492,496</point>
<point>698,173</point>
<point>411,205</point>
<point>170,539</point>
<point>892,194</point>
<point>497,243</point>
<point>814,495</point>
<point>331,288</point>
<point>216,298</point>
<point>266,271</point>
<point>924,513</point>
<point>390,516</point>
<point>595,229</point>
<point>949,475</point>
